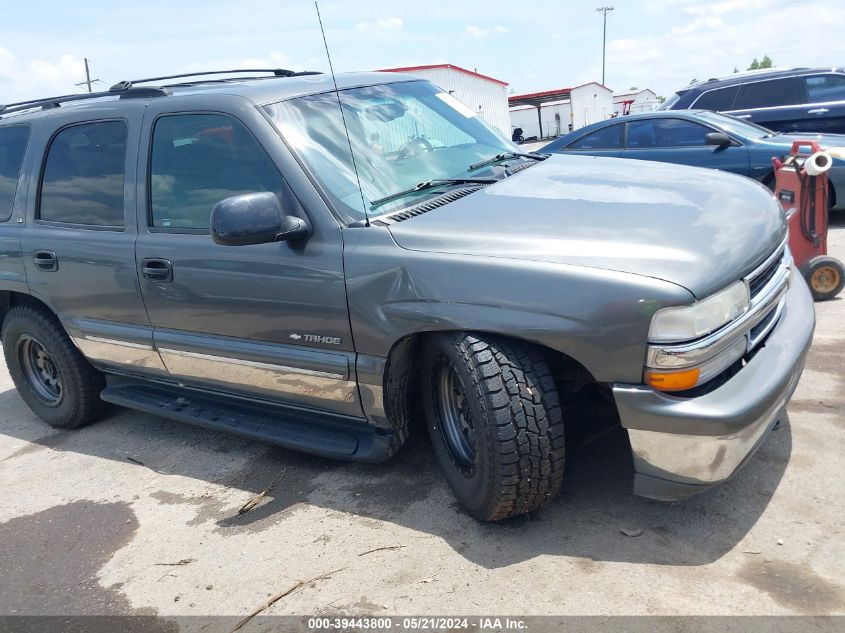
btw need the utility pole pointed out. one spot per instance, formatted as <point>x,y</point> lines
<point>88,81</point>
<point>604,11</point>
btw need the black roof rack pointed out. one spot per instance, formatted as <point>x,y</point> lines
<point>276,72</point>
<point>54,102</point>
<point>128,89</point>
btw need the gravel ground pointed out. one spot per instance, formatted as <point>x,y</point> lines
<point>139,515</point>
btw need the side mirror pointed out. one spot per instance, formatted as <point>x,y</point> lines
<point>719,139</point>
<point>254,218</point>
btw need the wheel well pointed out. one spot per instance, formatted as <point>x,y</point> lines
<point>584,400</point>
<point>9,299</point>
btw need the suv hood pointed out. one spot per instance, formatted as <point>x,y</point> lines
<point>698,228</point>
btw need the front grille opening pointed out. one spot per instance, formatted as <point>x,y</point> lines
<point>759,282</point>
<point>762,325</point>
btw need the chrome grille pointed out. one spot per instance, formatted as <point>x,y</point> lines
<point>759,281</point>
<point>767,285</point>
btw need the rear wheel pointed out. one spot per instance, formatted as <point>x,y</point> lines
<point>50,374</point>
<point>825,276</point>
<point>495,423</point>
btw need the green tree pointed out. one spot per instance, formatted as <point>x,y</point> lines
<point>661,99</point>
<point>766,62</point>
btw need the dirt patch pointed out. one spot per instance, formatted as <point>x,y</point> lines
<point>50,561</point>
<point>795,587</point>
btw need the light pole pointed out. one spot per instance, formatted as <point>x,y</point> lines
<point>604,11</point>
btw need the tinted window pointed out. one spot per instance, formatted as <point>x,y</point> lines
<point>606,138</point>
<point>12,145</point>
<point>765,94</point>
<point>717,100</point>
<point>83,175</point>
<point>200,159</point>
<point>665,133</point>
<point>823,88</point>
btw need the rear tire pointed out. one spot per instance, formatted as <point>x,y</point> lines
<point>50,374</point>
<point>825,276</point>
<point>495,423</point>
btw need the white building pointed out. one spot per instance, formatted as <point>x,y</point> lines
<point>553,113</point>
<point>634,101</point>
<point>483,94</point>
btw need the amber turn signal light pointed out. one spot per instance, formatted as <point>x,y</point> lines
<point>672,381</point>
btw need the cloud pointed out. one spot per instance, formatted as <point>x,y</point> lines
<point>39,77</point>
<point>710,43</point>
<point>382,26</point>
<point>726,6</point>
<point>479,32</point>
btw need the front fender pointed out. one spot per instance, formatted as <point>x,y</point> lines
<point>599,318</point>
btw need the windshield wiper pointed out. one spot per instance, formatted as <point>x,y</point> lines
<point>506,156</point>
<point>430,184</point>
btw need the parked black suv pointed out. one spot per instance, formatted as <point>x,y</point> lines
<point>794,100</point>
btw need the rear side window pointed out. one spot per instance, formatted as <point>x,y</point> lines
<point>606,138</point>
<point>84,174</point>
<point>198,160</point>
<point>12,146</point>
<point>652,133</point>
<point>718,100</point>
<point>822,88</point>
<point>765,94</point>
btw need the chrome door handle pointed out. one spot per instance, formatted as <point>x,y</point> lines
<point>818,111</point>
<point>46,260</point>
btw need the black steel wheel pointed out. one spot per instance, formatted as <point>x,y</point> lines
<point>39,370</point>
<point>50,373</point>
<point>453,414</point>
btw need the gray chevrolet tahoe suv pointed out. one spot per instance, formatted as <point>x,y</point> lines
<point>219,251</point>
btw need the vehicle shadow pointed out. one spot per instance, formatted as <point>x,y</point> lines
<point>585,521</point>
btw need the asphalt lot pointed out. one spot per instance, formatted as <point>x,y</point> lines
<point>139,515</point>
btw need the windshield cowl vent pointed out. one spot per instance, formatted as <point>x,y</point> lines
<point>518,168</point>
<point>406,214</point>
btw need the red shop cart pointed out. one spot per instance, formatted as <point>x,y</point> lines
<point>801,186</point>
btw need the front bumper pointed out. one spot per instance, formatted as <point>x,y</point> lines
<point>683,446</point>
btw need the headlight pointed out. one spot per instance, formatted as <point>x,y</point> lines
<point>672,325</point>
<point>682,365</point>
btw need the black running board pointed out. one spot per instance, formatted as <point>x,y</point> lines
<point>329,436</point>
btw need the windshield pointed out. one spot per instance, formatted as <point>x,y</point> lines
<point>731,124</point>
<point>402,134</point>
<point>667,105</point>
